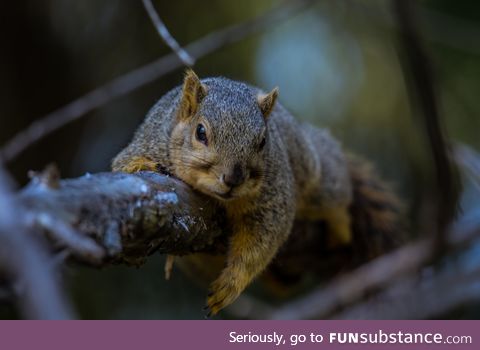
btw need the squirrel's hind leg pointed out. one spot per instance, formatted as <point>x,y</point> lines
<point>338,220</point>
<point>339,226</point>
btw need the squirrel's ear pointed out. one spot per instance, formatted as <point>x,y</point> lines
<point>267,101</point>
<point>193,93</point>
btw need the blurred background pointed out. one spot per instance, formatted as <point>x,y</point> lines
<point>336,64</point>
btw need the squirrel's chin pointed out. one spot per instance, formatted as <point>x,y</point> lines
<point>224,196</point>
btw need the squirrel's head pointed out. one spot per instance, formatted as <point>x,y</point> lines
<point>219,139</point>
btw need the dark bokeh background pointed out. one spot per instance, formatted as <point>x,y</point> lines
<point>336,65</point>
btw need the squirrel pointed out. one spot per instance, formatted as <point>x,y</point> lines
<point>236,144</point>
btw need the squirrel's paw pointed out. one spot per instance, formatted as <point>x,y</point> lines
<point>223,292</point>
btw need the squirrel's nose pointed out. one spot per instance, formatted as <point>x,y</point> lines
<point>235,178</point>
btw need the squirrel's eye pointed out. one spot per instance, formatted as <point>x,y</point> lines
<point>201,134</point>
<point>262,144</point>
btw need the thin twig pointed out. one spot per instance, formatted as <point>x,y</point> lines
<point>165,34</point>
<point>418,68</point>
<point>144,75</point>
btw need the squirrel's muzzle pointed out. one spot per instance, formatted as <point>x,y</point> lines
<point>235,177</point>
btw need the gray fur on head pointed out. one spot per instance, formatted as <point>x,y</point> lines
<point>231,108</point>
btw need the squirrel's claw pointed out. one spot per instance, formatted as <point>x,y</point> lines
<point>208,315</point>
<point>223,293</point>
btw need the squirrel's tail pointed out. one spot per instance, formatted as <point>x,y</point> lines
<point>377,213</point>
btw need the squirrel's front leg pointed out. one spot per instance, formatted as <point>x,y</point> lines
<point>252,247</point>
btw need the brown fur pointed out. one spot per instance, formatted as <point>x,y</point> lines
<point>255,159</point>
<point>376,211</point>
<point>140,164</point>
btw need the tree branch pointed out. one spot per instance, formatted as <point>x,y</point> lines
<point>123,218</point>
<point>129,216</point>
<point>417,298</point>
<point>166,36</point>
<point>419,72</point>
<point>26,264</point>
<point>372,276</point>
